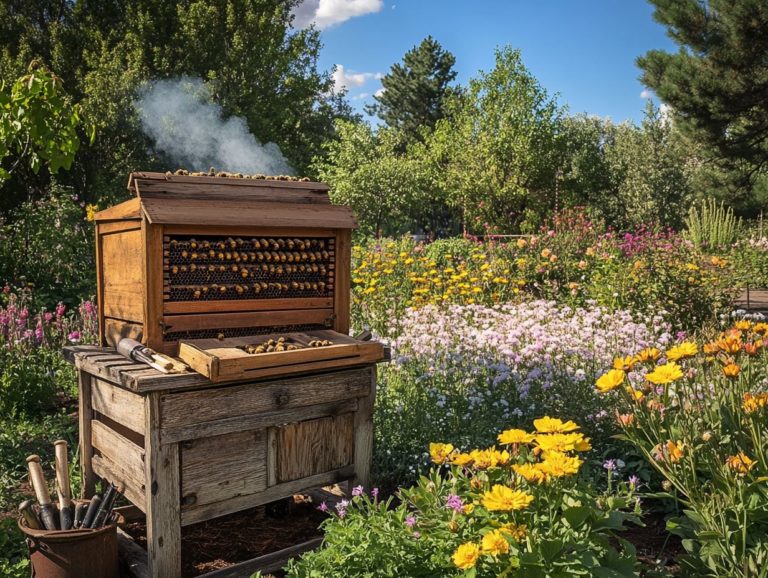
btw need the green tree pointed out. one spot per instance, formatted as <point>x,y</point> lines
<point>38,124</point>
<point>499,148</point>
<point>717,82</point>
<point>415,91</point>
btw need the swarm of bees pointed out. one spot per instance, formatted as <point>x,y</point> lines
<point>212,172</point>
<point>236,266</point>
<point>281,344</point>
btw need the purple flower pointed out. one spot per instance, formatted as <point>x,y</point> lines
<point>357,491</point>
<point>60,309</point>
<point>454,502</point>
<point>417,535</point>
<point>609,465</point>
<point>323,507</point>
<point>74,336</point>
<point>341,512</point>
<point>634,481</point>
<point>410,521</point>
<point>375,493</point>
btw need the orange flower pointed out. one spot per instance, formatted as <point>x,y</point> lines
<point>753,402</point>
<point>740,463</point>
<point>731,370</point>
<point>754,348</point>
<point>625,419</point>
<point>671,451</point>
<point>649,354</point>
<point>730,344</point>
<point>624,363</point>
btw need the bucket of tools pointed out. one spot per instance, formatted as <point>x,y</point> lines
<point>68,539</point>
<point>80,553</point>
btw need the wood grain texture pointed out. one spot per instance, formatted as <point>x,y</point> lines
<point>123,280</point>
<point>86,448</point>
<point>271,562</point>
<point>153,280</point>
<point>276,492</point>
<point>315,446</point>
<point>133,558</point>
<point>130,209</point>
<point>364,435</point>
<point>182,307</point>
<point>161,472</point>
<point>116,329</point>
<point>223,192</point>
<point>132,481</point>
<point>198,407</point>
<point>246,319</point>
<point>343,283</point>
<point>117,448</point>
<point>149,176</point>
<point>124,407</point>
<point>219,468</point>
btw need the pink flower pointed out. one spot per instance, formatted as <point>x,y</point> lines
<point>357,491</point>
<point>410,521</point>
<point>74,336</point>
<point>60,309</point>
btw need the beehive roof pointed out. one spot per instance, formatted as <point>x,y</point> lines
<point>219,201</point>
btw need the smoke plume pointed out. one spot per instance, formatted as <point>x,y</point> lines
<point>186,125</point>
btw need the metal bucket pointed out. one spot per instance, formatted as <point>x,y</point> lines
<point>73,553</point>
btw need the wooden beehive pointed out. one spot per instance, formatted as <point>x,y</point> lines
<point>194,258</point>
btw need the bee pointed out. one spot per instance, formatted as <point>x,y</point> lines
<point>174,270</point>
<point>223,289</point>
<point>315,268</point>
<point>326,255</point>
<point>235,268</point>
<point>244,273</point>
<point>304,256</point>
<point>283,287</point>
<point>289,243</point>
<point>220,337</point>
<point>321,244</point>
<point>264,285</point>
<point>314,286</point>
<point>184,254</point>
<point>205,290</point>
<point>239,241</point>
<point>289,257</point>
<point>211,268</point>
<point>192,268</point>
<point>281,243</point>
<point>174,243</point>
<point>295,285</point>
<point>228,256</point>
<point>283,257</point>
<point>279,270</point>
<point>220,256</point>
<point>264,243</point>
<point>192,244</point>
<point>206,244</point>
<point>239,289</point>
<point>222,269</point>
<point>212,254</point>
<point>197,294</point>
<point>232,243</point>
<point>321,285</point>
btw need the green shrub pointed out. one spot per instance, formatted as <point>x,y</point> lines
<point>711,226</point>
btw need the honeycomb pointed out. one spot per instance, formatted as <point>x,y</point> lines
<point>215,268</point>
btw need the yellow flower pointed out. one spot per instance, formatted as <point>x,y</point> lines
<point>468,509</point>
<point>461,459</point>
<point>649,354</point>
<point>611,380</point>
<point>563,442</point>
<point>731,370</point>
<point>521,243</point>
<point>545,253</point>
<point>466,555</point>
<point>515,436</point>
<point>548,424</point>
<point>494,543</point>
<point>514,531</point>
<point>753,402</point>
<point>744,325</point>
<point>440,452</point>
<point>590,252</point>
<point>90,211</point>
<point>761,328</point>
<point>490,458</point>
<point>740,463</point>
<point>530,473</point>
<point>504,499</point>
<point>635,394</point>
<point>685,349</point>
<point>671,451</point>
<point>666,373</point>
<point>557,465</point>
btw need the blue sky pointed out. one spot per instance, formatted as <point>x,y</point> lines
<point>584,50</point>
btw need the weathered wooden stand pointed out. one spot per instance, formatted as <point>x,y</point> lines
<point>188,450</point>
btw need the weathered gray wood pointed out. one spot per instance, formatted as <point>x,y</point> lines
<point>133,486</point>
<point>314,446</point>
<point>69,352</point>
<point>269,495</point>
<point>133,558</point>
<point>86,448</point>
<point>253,421</point>
<point>364,435</point>
<point>267,563</point>
<point>163,497</point>
<point>122,406</point>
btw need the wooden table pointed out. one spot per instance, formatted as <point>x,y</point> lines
<point>188,450</point>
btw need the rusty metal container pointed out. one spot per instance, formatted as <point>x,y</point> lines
<point>74,553</point>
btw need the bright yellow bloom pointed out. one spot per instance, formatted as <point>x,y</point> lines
<point>649,354</point>
<point>504,499</point>
<point>563,442</point>
<point>761,328</point>
<point>545,253</point>
<point>730,344</point>
<point>468,509</point>
<point>744,325</point>
<point>494,543</point>
<point>754,402</point>
<point>557,465</point>
<point>624,363</point>
<point>635,394</point>
<point>666,373</point>
<point>530,473</point>
<point>548,424</point>
<point>740,463</point>
<point>514,531</point>
<point>515,436</point>
<point>90,211</point>
<point>671,451</point>
<point>731,370</point>
<point>682,351</point>
<point>521,243</point>
<point>490,458</point>
<point>461,459</point>
<point>440,452</point>
<point>466,555</point>
<point>610,380</point>
<point>590,252</point>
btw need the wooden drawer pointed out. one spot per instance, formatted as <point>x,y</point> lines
<point>313,447</point>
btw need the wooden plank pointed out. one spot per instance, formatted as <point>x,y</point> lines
<point>113,227</point>
<point>175,323</point>
<point>272,456</point>
<point>254,421</point>
<point>116,329</point>
<point>180,307</point>
<point>132,482</point>
<point>315,446</point>
<point>149,176</point>
<point>271,562</point>
<point>163,498</point>
<point>153,272</point>
<point>198,407</point>
<point>124,407</point>
<point>364,435</point>
<point>246,214</point>
<point>122,281</point>
<point>342,282</point>
<point>133,558</point>
<point>269,495</point>
<point>70,352</point>
<point>86,448</point>
<point>118,449</point>
<point>222,192</point>
<point>218,468</point>
<point>100,283</point>
<point>94,364</point>
<point>130,209</point>
<point>248,231</point>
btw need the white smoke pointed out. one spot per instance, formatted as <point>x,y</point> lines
<point>185,124</point>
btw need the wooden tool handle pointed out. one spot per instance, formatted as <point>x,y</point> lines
<point>62,474</point>
<point>37,479</point>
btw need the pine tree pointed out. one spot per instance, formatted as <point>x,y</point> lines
<point>415,90</point>
<point>717,83</point>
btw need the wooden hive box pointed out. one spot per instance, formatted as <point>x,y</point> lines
<point>193,258</point>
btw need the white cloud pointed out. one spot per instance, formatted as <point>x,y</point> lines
<point>361,96</point>
<point>326,13</point>
<point>344,80</point>
<point>645,94</point>
<point>379,92</point>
